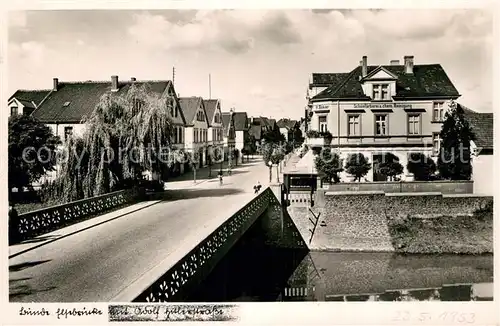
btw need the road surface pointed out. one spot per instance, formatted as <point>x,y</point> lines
<point>98,263</point>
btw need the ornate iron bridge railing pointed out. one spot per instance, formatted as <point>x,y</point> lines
<point>49,219</point>
<point>179,280</point>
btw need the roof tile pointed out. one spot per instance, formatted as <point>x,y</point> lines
<point>427,80</point>
<point>82,98</point>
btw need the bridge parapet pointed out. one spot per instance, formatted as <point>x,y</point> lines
<point>179,280</point>
<point>48,219</point>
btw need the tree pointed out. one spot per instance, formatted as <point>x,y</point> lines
<point>329,165</point>
<point>249,146</point>
<point>454,161</point>
<point>194,159</point>
<point>32,151</point>
<point>273,136</point>
<point>272,153</point>
<point>390,166</point>
<point>125,135</point>
<point>357,165</point>
<point>421,166</point>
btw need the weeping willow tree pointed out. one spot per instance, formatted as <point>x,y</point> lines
<point>125,135</point>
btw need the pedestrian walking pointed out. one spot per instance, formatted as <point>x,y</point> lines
<point>257,187</point>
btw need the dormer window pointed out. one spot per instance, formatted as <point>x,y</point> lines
<point>380,92</point>
<point>199,116</point>
<point>66,104</point>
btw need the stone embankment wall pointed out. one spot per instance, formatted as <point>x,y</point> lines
<point>358,221</point>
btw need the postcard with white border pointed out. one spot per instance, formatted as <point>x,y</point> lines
<point>274,163</point>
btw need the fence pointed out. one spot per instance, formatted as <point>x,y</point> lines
<point>48,219</point>
<point>442,186</point>
<point>184,275</point>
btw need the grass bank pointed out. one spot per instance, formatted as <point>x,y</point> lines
<point>444,234</point>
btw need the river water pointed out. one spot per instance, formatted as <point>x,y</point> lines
<point>252,271</point>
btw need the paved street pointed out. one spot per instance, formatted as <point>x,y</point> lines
<point>99,262</point>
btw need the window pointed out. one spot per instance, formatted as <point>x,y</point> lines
<point>413,124</point>
<point>381,92</point>
<point>175,135</point>
<point>66,104</point>
<point>438,111</point>
<point>14,110</point>
<point>200,116</point>
<point>181,133</point>
<point>322,124</point>
<point>354,127</point>
<point>436,143</point>
<point>68,132</point>
<point>381,125</point>
<point>195,135</point>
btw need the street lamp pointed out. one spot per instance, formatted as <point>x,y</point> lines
<point>270,163</point>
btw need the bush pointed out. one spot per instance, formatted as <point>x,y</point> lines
<point>328,165</point>
<point>421,166</point>
<point>357,165</point>
<point>390,166</point>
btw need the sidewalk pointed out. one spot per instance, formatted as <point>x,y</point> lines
<point>186,180</point>
<point>43,239</point>
<point>182,182</point>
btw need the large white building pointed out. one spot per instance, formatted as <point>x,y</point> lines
<point>376,109</point>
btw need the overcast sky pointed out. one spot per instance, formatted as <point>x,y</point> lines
<point>260,61</point>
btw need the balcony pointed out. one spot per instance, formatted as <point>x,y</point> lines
<point>318,138</point>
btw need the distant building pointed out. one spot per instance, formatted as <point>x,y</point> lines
<point>376,109</point>
<point>288,128</point>
<point>229,133</point>
<point>482,148</point>
<point>241,128</point>
<point>196,127</point>
<point>69,102</point>
<point>24,102</point>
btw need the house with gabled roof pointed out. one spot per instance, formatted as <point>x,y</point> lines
<point>215,126</point>
<point>376,109</point>
<point>197,124</point>
<point>69,102</point>
<point>229,133</point>
<point>288,128</point>
<point>482,149</point>
<point>241,128</point>
<point>26,101</point>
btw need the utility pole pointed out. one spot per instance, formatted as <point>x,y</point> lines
<point>173,75</point>
<point>209,87</point>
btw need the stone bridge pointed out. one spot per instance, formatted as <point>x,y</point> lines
<point>59,255</point>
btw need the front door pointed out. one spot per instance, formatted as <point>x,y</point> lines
<point>377,176</point>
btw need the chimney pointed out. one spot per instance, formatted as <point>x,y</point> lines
<point>55,84</point>
<point>364,67</point>
<point>394,62</point>
<point>133,79</point>
<point>409,64</point>
<point>114,83</point>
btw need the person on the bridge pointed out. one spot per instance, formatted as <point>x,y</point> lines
<point>257,187</point>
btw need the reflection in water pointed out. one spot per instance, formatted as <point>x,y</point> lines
<point>252,271</point>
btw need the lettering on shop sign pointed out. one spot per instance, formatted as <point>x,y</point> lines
<point>382,106</point>
<point>322,107</point>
